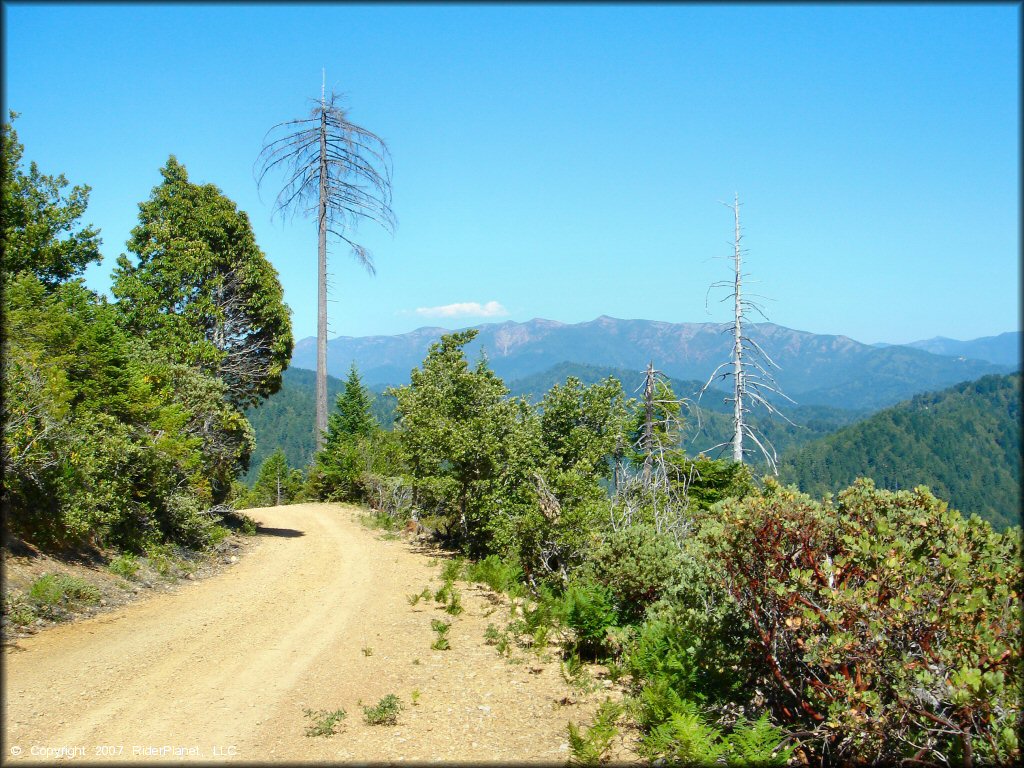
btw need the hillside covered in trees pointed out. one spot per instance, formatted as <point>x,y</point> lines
<point>284,419</point>
<point>964,443</point>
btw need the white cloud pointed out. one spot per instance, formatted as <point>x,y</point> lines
<point>464,309</point>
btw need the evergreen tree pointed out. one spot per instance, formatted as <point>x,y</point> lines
<point>354,414</point>
<point>276,483</point>
<point>41,230</point>
<point>203,290</point>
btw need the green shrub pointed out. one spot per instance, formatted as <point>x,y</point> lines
<point>452,570</point>
<point>58,589</point>
<point>590,611</point>
<point>663,653</point>
<point>637,565</point>
<point>125,565</point>
<point>494,572</point>
<point>384,712</point>
<point>324,722</point>
<point>686,738</point>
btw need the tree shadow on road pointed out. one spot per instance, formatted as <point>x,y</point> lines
<point>282,533</point>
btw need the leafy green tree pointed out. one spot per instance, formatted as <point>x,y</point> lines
<point>203,290</point>
<point>455,425</point>
<point>582,426</point>
<point>104,439</point>
<point>41,230</point>
<point>353,446</point>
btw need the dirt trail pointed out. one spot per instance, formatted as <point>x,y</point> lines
<point>314,616</point>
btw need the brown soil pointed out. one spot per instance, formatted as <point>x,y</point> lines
<point>314,616</point>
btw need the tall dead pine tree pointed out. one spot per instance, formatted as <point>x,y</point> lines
<point>342,172</point>
<point>749,365</point>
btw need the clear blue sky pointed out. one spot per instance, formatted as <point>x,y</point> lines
<point>569,161</point>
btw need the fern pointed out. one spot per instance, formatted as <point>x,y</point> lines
<point>757,743</point>
<point>657,702</point>
<point>685,739</point>
<point>592,748</point>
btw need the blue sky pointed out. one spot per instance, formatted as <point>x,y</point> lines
<point>568,161</point>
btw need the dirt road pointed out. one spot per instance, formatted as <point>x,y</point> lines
<point>315,616</point>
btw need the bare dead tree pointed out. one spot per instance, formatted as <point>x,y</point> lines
<point>750,366</point>
<point>342,172</point>
<point>658,485</point>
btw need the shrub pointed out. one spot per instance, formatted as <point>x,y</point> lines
<point>494,572</point>
<point>124,565</point>
<point>324,722</point>
<point>637,565</point>
<point>905,616</point>
<point>662,662</point>
<point>592,748</point>
<point>384,712</point>
<point>57,589</point>
<point>686,738</point>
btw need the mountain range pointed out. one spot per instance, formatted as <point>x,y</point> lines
<point>814,369</point>
<point>1004,348</point>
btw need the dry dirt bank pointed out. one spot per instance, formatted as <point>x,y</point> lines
<point>314,616</point>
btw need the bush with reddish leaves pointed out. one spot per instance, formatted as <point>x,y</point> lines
<point>885,626</point>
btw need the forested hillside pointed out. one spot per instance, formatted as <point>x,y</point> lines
<point>964,443</point>
<point>286,420</point>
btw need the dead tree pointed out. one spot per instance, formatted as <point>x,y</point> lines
<point>657,487</point>
<point>342,172</point>
<point>749,365</point>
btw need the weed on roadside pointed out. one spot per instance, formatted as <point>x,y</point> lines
<point>384,712</point>
<point>426,594</point>
<point>367,651</point>
<point>441,628</point>
<point>51,596</point>
<point>452,570</point>
<point>324,722</point>
<point>576,675</point>
<point>19,610</point>
<point>454,603</point>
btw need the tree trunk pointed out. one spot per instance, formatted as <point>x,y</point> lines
<point>737,350</point>
<point>648,437</point>
<point>321,320</point>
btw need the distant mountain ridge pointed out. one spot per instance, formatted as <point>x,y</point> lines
<point>816,369</point>
<point>1004,349</point>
